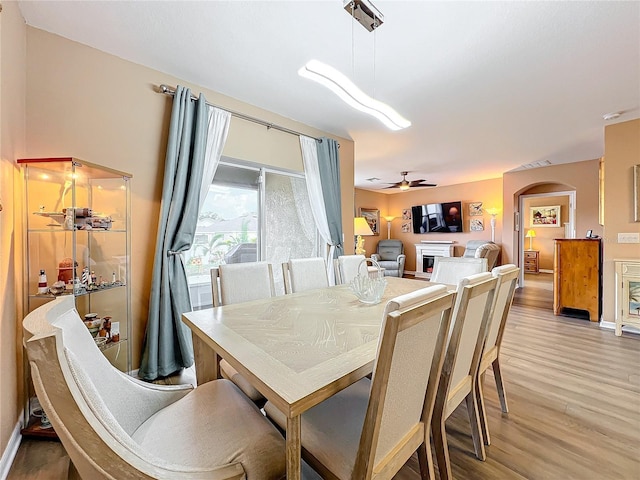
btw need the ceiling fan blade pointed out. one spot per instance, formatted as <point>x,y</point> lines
<point>425,185</point>
<point>415,183</point>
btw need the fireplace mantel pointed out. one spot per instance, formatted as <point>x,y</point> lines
<point>426,251</point>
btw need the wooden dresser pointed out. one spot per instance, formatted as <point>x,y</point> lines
<point>531,261</point>
<point>577,277</point>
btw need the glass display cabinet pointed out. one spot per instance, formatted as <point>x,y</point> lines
<point>77,242</point>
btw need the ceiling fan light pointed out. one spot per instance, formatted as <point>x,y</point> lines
<point>404,186</point>
<point>344,88</point>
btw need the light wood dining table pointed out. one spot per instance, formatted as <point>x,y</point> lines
<point>297,349</point>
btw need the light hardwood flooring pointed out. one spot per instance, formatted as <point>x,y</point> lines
<point>574,399</point>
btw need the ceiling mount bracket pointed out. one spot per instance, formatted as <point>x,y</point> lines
<point>365,13</point>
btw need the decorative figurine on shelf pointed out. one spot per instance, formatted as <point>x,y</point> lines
<point>93,277</point>
<point>113,278</point>
<point>86,276</point>
<point>43,288</point>
<point>67,270</point>
<point>106,324</point>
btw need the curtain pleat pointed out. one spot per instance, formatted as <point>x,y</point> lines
<point>329,169</point>
<point>167,344</point>
<point>316,198</point>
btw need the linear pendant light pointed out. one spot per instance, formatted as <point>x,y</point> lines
<point>344,88</point>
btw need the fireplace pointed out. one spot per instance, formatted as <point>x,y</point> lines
<point>426,253</point>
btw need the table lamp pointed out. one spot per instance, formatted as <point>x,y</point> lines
<point>493,212</point>
<point>531,235</point>
<point>360,228</point>
<point>389,219</point>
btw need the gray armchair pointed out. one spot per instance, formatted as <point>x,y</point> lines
<point>390,256</point>
<point>483,249</point>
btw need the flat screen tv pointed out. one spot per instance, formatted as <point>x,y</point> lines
<point>437,217</point>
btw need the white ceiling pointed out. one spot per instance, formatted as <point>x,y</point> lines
<point>488,86</point>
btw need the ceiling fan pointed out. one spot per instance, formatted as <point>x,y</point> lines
<point>406,184</point>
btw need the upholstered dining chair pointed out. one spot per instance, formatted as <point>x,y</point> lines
<point>114,426</point>
<point>236,283</point>
<point>450,270</point>
<point>507,276</point>
<point>347,267</point>
<point>302,274</point>
<point>371,428</point>
<point>474,300</point>
<point>390,256</point>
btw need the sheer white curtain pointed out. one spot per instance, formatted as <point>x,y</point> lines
<point>218,127</point>
<point>316,199</point>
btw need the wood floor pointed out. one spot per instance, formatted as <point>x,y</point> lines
<point>574,399</point>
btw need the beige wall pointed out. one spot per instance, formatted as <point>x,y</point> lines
<point>489,192</point>
<point>621,153</point>
<point>12,143</point>
<point>581,177</point>
<point>97,107</point>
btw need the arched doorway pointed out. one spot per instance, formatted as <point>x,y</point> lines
<point>545,212</point>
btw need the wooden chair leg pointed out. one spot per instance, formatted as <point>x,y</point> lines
<point>482,410</point>
<point>500,385</point>
<point>442,448</point>
<point>425,460</point>
<point>474,420</point>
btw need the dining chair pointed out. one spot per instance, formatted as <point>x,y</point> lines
<point>236,283</point>
<point>347,267</point>
<point>507,276</point>
<point>115,426</point>
<point>302,274</point>
<point>472,310</point>
<point>371,428</point>
<point>450,270</point>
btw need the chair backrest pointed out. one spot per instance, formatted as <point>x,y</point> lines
<point>302,274</point>
<point>451,270</point>
<point>482,249</point>
<point>390,249</point>
<point>241,282</point>
<point>470,319</point>
<point>93,407</point>
<point>348,266</point>
<point>406,373</point>
<point>507,276</point>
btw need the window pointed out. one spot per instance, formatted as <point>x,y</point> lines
<point>251,213</point>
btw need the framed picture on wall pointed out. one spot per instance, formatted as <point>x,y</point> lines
<point>545,216</point>
<point>475,209</point>
<point>476,225</point>
<point>372,216</point>
<point>406,227</point>
<point>406,214</point>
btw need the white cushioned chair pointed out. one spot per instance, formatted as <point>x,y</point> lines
<point>507,276</point>
<point>471,315</point>
<point>347,267</point>
<point>114,426</point>
<point>302,274</point>
<point>450,270</point>
<point>482,249</point>
<point>390,256</point>
<point>241,282</point>
<point>371,428</point>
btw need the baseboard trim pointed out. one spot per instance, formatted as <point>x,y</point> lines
<point>625,328</point>
<point>10,452</point>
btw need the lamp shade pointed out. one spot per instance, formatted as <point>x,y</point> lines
<point>389,218</point>
<point>531,233</point>
<point>493,211</point>
<point>361,227</point>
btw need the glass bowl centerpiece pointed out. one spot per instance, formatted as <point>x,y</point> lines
<point>369,284</point>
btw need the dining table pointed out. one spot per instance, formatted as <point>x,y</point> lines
<point>296,349</point>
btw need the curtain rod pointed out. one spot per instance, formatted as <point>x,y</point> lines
<point>166,89</point>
